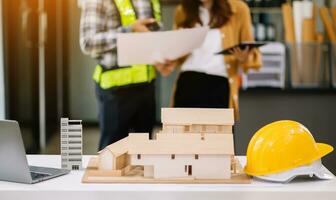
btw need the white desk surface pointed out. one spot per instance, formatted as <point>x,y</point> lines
<point>70,187</point>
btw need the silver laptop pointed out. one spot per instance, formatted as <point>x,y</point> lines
<point>13,162</point>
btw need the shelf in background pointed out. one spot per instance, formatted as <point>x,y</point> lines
<point>261,10</point>
<point>270,90</point>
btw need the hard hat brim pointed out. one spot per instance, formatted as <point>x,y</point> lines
<point>314,169</point>
<point>323,149</point>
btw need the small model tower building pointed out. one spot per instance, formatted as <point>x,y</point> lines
<point>71,144</point>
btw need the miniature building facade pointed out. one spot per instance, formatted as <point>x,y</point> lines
<point>71,144</point>
<point>182,156</point>
<point>197,166</point>
<point>186,120</point>
<point>194,144</point>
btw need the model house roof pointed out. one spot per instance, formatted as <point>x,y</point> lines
<point>210,144</point>
<point>118,148</point>
<point>203,116</point>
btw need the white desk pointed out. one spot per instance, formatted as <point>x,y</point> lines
<point>70,187</point>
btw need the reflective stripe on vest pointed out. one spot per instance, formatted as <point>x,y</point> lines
<point>156,9</point>
<point>124,76</point>
<point>135,73</point>
<point>127,12</point>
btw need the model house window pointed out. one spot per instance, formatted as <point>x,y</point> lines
<point>188,169</point>
<point>220,129</point>
<point>139,156</point>
<point>196,128</point>
<point>173,156</point>
<point>211,128</point>
<point>187,129</point>
<point>196,156</point>
<point>204,129</point>
<point>75,167</point>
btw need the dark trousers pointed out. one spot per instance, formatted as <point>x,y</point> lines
<point>125,109</point>
<point>200,90</point>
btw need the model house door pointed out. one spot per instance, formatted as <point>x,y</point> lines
<point>188,169</point>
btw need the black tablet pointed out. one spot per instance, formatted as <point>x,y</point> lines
<point>154,26</point>
<point>242,46</point>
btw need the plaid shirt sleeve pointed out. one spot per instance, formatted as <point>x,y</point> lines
<point>99,27</point>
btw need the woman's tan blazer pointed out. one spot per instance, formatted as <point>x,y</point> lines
<point>238,29</point>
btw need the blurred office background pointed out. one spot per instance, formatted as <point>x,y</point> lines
<point>44,76</point>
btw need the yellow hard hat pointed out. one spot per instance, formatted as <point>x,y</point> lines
<point>281,146</point>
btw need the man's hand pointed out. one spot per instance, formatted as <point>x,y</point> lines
<point>140,25</point>
<point>165,68</point>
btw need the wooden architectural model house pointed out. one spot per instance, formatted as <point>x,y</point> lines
<point>194,144</point>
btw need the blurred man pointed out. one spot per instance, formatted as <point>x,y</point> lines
<point>126,95</point>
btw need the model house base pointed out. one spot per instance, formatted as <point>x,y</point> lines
<point>195,145</point>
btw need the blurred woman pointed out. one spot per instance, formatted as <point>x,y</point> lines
<point>208,80</point>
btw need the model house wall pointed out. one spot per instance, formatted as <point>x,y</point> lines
<point>122,161</point>
<point>190,155</point>
<point>190,120</point>
<point>106,160</point>
<point>213,144</point>
<point>184,166</point>
<point>197,128</point>
<point>114,156</point>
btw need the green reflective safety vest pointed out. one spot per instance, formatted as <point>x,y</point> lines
<point>135,73</point>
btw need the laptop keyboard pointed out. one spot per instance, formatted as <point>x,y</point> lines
<point>37,175</point>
